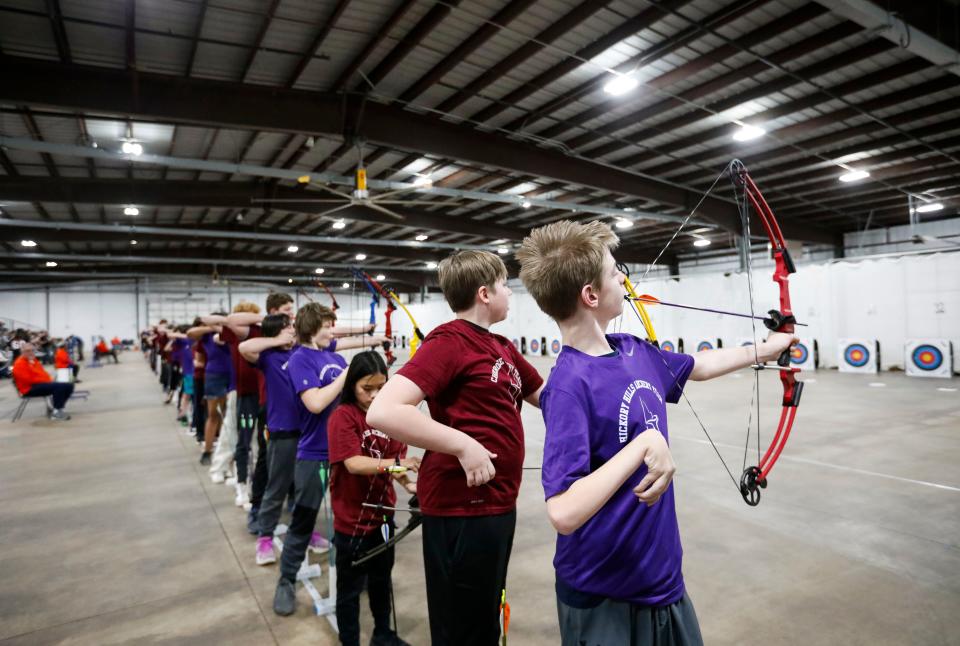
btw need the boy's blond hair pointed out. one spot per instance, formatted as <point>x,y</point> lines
<point>464,272</point>
<point>558,259</point>
<point>310,318</point>
<point>246,306</point>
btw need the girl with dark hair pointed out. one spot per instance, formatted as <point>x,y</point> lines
<point>364,464</point>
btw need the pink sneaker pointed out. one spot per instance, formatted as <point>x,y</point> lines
<point>265,553</point>
<point>318,544</point>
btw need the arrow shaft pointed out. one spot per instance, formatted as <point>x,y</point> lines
<point>701,309</point>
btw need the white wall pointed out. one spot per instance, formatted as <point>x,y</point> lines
<point>888,299</point>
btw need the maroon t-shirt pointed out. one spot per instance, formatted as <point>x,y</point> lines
<point>247,380</point>
<point>199,361</point>
<point>475,382</point>
<point>161,341</point>
<point>349,435</point>
<point>255,333</point>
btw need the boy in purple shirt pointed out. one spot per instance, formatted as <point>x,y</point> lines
<point>271,354</point>
<point>317,374</point>
<point>618,563</point>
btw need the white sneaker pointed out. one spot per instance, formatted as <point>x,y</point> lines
<point>231,481</point>
<point>217,477</point>
<point>242,498</point>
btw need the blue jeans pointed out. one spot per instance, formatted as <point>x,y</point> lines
<point>60,392</point>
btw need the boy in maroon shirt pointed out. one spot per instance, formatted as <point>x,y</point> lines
<point>475,383</point>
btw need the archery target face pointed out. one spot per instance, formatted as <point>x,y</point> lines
<point>555,346</point>
<point>858,355</point>
<point>799,354</point>
<point>668,346</point>
<point>929,358</point>
<point>535,346</point>
<point>704,345</point>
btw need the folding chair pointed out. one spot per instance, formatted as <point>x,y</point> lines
<point>24,401</point>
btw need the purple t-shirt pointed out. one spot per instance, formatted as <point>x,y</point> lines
<point>311,368</point>
<point>218,356</point>
<point>282,413</point>
<point>592,407</point>
<point>183,352</point>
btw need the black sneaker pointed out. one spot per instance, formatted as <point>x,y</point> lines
<point>253,521</point>
<point>387,639</point>
<point>285,598</point>
<point>205,458</point>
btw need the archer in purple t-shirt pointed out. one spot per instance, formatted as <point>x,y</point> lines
<point>592,407</point>
<point>274,363</point>
<point>313,368</point>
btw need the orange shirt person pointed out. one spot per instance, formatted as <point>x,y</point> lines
<point>61,359</point>
<point>33,381</point>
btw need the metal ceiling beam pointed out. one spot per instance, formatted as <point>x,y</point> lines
<point>802,130</point>
<point>628,28</point>
<point>826,144</point>
<point>816,99</point>
<point>778,84</point>
<point>122,232</point>
<point>571,20</point>
<point>226,195</point>
<point>174,259</point>
<point>402,282</point>
<point>718,82</point>
<point>381,33</point>
<point>891,26</point>
<point>274,174</point>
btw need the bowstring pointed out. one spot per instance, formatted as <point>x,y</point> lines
<point>744,208</point>
<point>726,169</point>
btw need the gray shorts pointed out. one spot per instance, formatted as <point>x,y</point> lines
<point>308,483</point>
<point>617,623</point>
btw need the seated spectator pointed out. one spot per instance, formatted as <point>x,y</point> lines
<point>116,343</point>
<point>101,350</point>
<point>33,381</point>
<point>62,360</point>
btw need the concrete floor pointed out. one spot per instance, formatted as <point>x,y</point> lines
<point>111,533</point>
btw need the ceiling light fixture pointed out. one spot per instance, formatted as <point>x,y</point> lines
<point>339,224</point>
<point>629,209</point>
<point>747,133</point>
<point>854,175</point>
<point>423,181</point>
<point>133,242</point>
<point>361,256</point>
<point>131,148</point>
<point>421,237</point>
<point>289,280</point>
<point>381,277</point>
<point>345,286</point>
<point>131,210</point>
<point>28,243</point>
<point>502,251</point>
<point>293,248</point>
<point>318,270</point>
<point>51,263</point>
<point>431,265</point>
<point>624,223</point>
<point>929,207</point>
<point>620,84</point>
<point>525,204</point>
<point>701,242</point>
